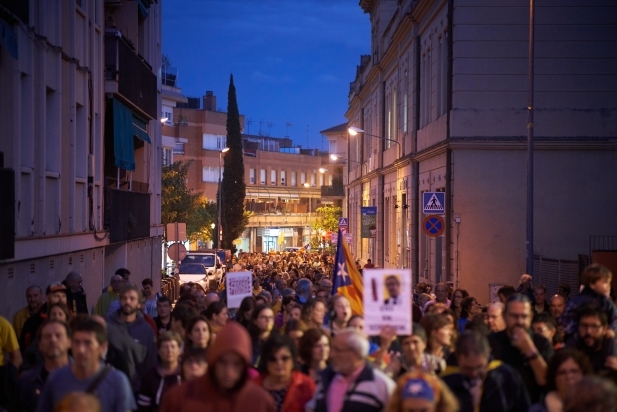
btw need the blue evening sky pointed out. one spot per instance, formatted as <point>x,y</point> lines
<point>292,60</point>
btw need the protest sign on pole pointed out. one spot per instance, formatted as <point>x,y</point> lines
<point>387,300</point>
<point>238,285</point>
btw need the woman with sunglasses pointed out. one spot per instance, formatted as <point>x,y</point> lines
<point>290,389</point>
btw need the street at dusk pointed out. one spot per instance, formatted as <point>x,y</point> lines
<point>308,205</point>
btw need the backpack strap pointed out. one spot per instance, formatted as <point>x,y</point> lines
<point>99,378</point>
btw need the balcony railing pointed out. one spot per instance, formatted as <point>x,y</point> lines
<point>336,190</point>
<point>134,77</point>
<point>127,213</point>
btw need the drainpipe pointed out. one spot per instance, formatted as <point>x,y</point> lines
<point>449,195</point>
<point>415,221</point>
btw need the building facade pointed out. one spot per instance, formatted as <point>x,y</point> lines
<point>80,107</point>
<point>446,82</point>
<point>284,184</point>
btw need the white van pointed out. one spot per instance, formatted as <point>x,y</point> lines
<point>210,262</point>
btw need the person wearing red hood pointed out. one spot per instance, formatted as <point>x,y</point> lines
<point>226,386</point>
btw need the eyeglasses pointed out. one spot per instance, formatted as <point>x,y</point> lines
<point>283,359</point>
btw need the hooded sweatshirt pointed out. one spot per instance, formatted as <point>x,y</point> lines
<point>137,341</point>
<point>202,394</point>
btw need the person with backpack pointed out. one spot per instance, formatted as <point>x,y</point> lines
<point>87,373</point>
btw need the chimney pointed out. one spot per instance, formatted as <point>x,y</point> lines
<point>210,101</point>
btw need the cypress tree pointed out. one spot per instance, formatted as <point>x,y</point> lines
<point>233,188</point>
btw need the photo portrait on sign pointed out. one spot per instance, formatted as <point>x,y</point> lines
<point>392,290</point>
<point>387,300</point>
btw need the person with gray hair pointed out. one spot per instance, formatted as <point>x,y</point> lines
<point>350,383</point>
<point>496,323</point>
<point>304,291</point>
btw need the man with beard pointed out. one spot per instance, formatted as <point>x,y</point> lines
<point>54,343</point>
<point>87,373</point>
<point>591,339</point>
<point>129,332</point>
<point>519,347</point>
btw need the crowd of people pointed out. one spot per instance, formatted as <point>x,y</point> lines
<point>294,346</point>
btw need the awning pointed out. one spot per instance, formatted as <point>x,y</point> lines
<point>124,151</point>
<point>139,129</point>
<point>273,194</point>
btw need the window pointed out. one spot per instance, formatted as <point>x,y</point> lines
<point>214,141</point>
<point>252,176</point>
<point>293,178</point>
<point>273,177</point>
<point>333,148</point>
<point>262,176</point>
<point>211,173</point>
<point>179,148</point>
<point>167,156</point>
<point>283,176</point>
<point>313,179</point>
<point>302,178</point>
<point>321,179</point>
<point>168,114</point>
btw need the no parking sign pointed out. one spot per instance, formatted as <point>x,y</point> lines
<point>433,225</point>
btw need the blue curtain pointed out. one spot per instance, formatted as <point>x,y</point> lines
<point>124,151</point>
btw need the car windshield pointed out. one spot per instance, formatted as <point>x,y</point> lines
<point>192,269</point>
<point>206,260</point>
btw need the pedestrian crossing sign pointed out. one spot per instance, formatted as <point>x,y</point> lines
<point>434,203</point>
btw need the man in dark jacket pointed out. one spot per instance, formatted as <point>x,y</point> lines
<point>55,293</point>
<point>129,332</point>
<point>520,348</point>
<point>75,294</point>
<point>54,343</point>
<point>483,386</point>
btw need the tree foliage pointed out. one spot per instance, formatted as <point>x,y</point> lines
<point>233,187</point>
<point>177,201</point>
<point>199,224</point>
<point>327,218</point>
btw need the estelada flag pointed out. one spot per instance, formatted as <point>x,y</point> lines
<point>347,278</point>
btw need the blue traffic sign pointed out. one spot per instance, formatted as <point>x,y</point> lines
<point>433,225</point>
<point>434,203</point>
<point>342,221</point>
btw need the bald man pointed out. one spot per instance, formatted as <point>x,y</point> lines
<point>75,294</point>
<point>495,317</point>
<point>558,305</point>
<point>210,298</point>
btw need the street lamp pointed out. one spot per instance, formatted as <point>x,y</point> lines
<point>355,130</point>
<point>323,170</point>
<point>223,150</point>
<point>338,157</point>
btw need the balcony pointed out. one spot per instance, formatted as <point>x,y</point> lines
<point>127,213</point>
<point>128,76</point>
<point>336,190</point>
